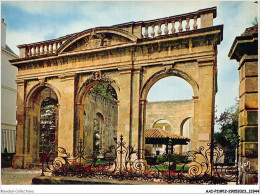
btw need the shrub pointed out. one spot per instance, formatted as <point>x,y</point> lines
<point>177,158</point>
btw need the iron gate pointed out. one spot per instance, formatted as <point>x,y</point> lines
<point>123,162</point>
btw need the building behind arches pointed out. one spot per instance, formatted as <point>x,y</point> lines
<point>175,112</point>
<point>131,57</point>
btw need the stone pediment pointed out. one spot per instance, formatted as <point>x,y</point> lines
<point>95,41</point>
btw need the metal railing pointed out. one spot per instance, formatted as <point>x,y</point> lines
<point>123,162</point>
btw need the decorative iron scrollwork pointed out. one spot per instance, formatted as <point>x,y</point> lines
<point>123,162</point>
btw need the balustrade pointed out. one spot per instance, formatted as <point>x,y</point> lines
<point>166,27</point>
<point>149,29</point>
<point>179,23</point>
<point>42,48</point>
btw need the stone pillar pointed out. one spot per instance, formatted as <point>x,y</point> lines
<point>66,114</point>
<point>124,109</point>
<point>248,118</point>
<point>79,122</point>
<point>205,105</point>
<point>18,159</point>
<point>245,50</point>
<point>142,122</point>
<point>194,138</point>
<point>136,135</point>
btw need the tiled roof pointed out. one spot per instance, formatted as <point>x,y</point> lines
<point>159,133</point>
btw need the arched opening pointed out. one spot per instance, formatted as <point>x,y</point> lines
<point>48,126</point>
<point>162,124</point>
<point>99,129</point>
<point>170,98</point>
<point>41,126</point>
<point>97,135</point>
<point>187,131</point>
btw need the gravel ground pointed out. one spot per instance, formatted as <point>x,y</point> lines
<point>10,176</point>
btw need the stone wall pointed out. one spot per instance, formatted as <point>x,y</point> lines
<point>245,51</point>
<point>132,68</point>
<point>175,112</point>
<point>97,104</point>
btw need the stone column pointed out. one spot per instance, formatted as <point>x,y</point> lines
<point>79,123</point>
<point>66,113</point>
<point>248,118</point>
<point>18,159</point>
<point>124,109</point>
<point>206,103</point>
<point>205,106</point>
<point>194,138</point>
<point>245,50</point>
<point>142,123</point>
<point>136,134</point>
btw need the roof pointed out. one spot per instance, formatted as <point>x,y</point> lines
<point>159,133</point>
<point>8,49</point>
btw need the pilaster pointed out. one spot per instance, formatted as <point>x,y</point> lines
<point>18,159</point>
<point>66,113</point>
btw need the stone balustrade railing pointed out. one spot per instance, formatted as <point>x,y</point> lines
<point>41,48</point>
<point>143,29</point>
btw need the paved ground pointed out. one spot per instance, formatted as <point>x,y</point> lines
<point>10,176</point>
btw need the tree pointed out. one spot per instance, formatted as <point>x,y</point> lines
<point>255,21</point>
<point>105,90</point>
<point>228,136</point>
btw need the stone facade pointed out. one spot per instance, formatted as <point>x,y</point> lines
<point>245,51</point>
<point>176,113</point>
<point>95,105</point>
<point>131,57</point>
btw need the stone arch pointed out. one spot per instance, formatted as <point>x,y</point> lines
<point>99,30</point>
<point>166,73</point>
<point>190,134</point>
<point>83,128</point>
<point>88,84</point>
<point>33,130</point>
<point>35,90</point>
<point>158,120</point>
<point>182,123</point>
<point>150,82</point>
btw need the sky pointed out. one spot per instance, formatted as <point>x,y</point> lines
<point>29,22</point>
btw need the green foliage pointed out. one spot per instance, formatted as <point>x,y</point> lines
<point>106,90</point>
<point>228,138</point>
<point>178,158</point>
<point>165,167</point>
<point>255,21</point>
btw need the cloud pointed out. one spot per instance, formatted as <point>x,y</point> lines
<point>50,20</point>
<point>15,38</point>
<point>41,7</point>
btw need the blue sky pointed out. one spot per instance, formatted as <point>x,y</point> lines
<point>29,22</point>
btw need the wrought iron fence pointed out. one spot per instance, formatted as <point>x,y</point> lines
<point>123,162</point>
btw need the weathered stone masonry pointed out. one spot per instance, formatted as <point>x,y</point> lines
<point>131,57</point>
<point>97,104</point>
<point>245,50</point>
